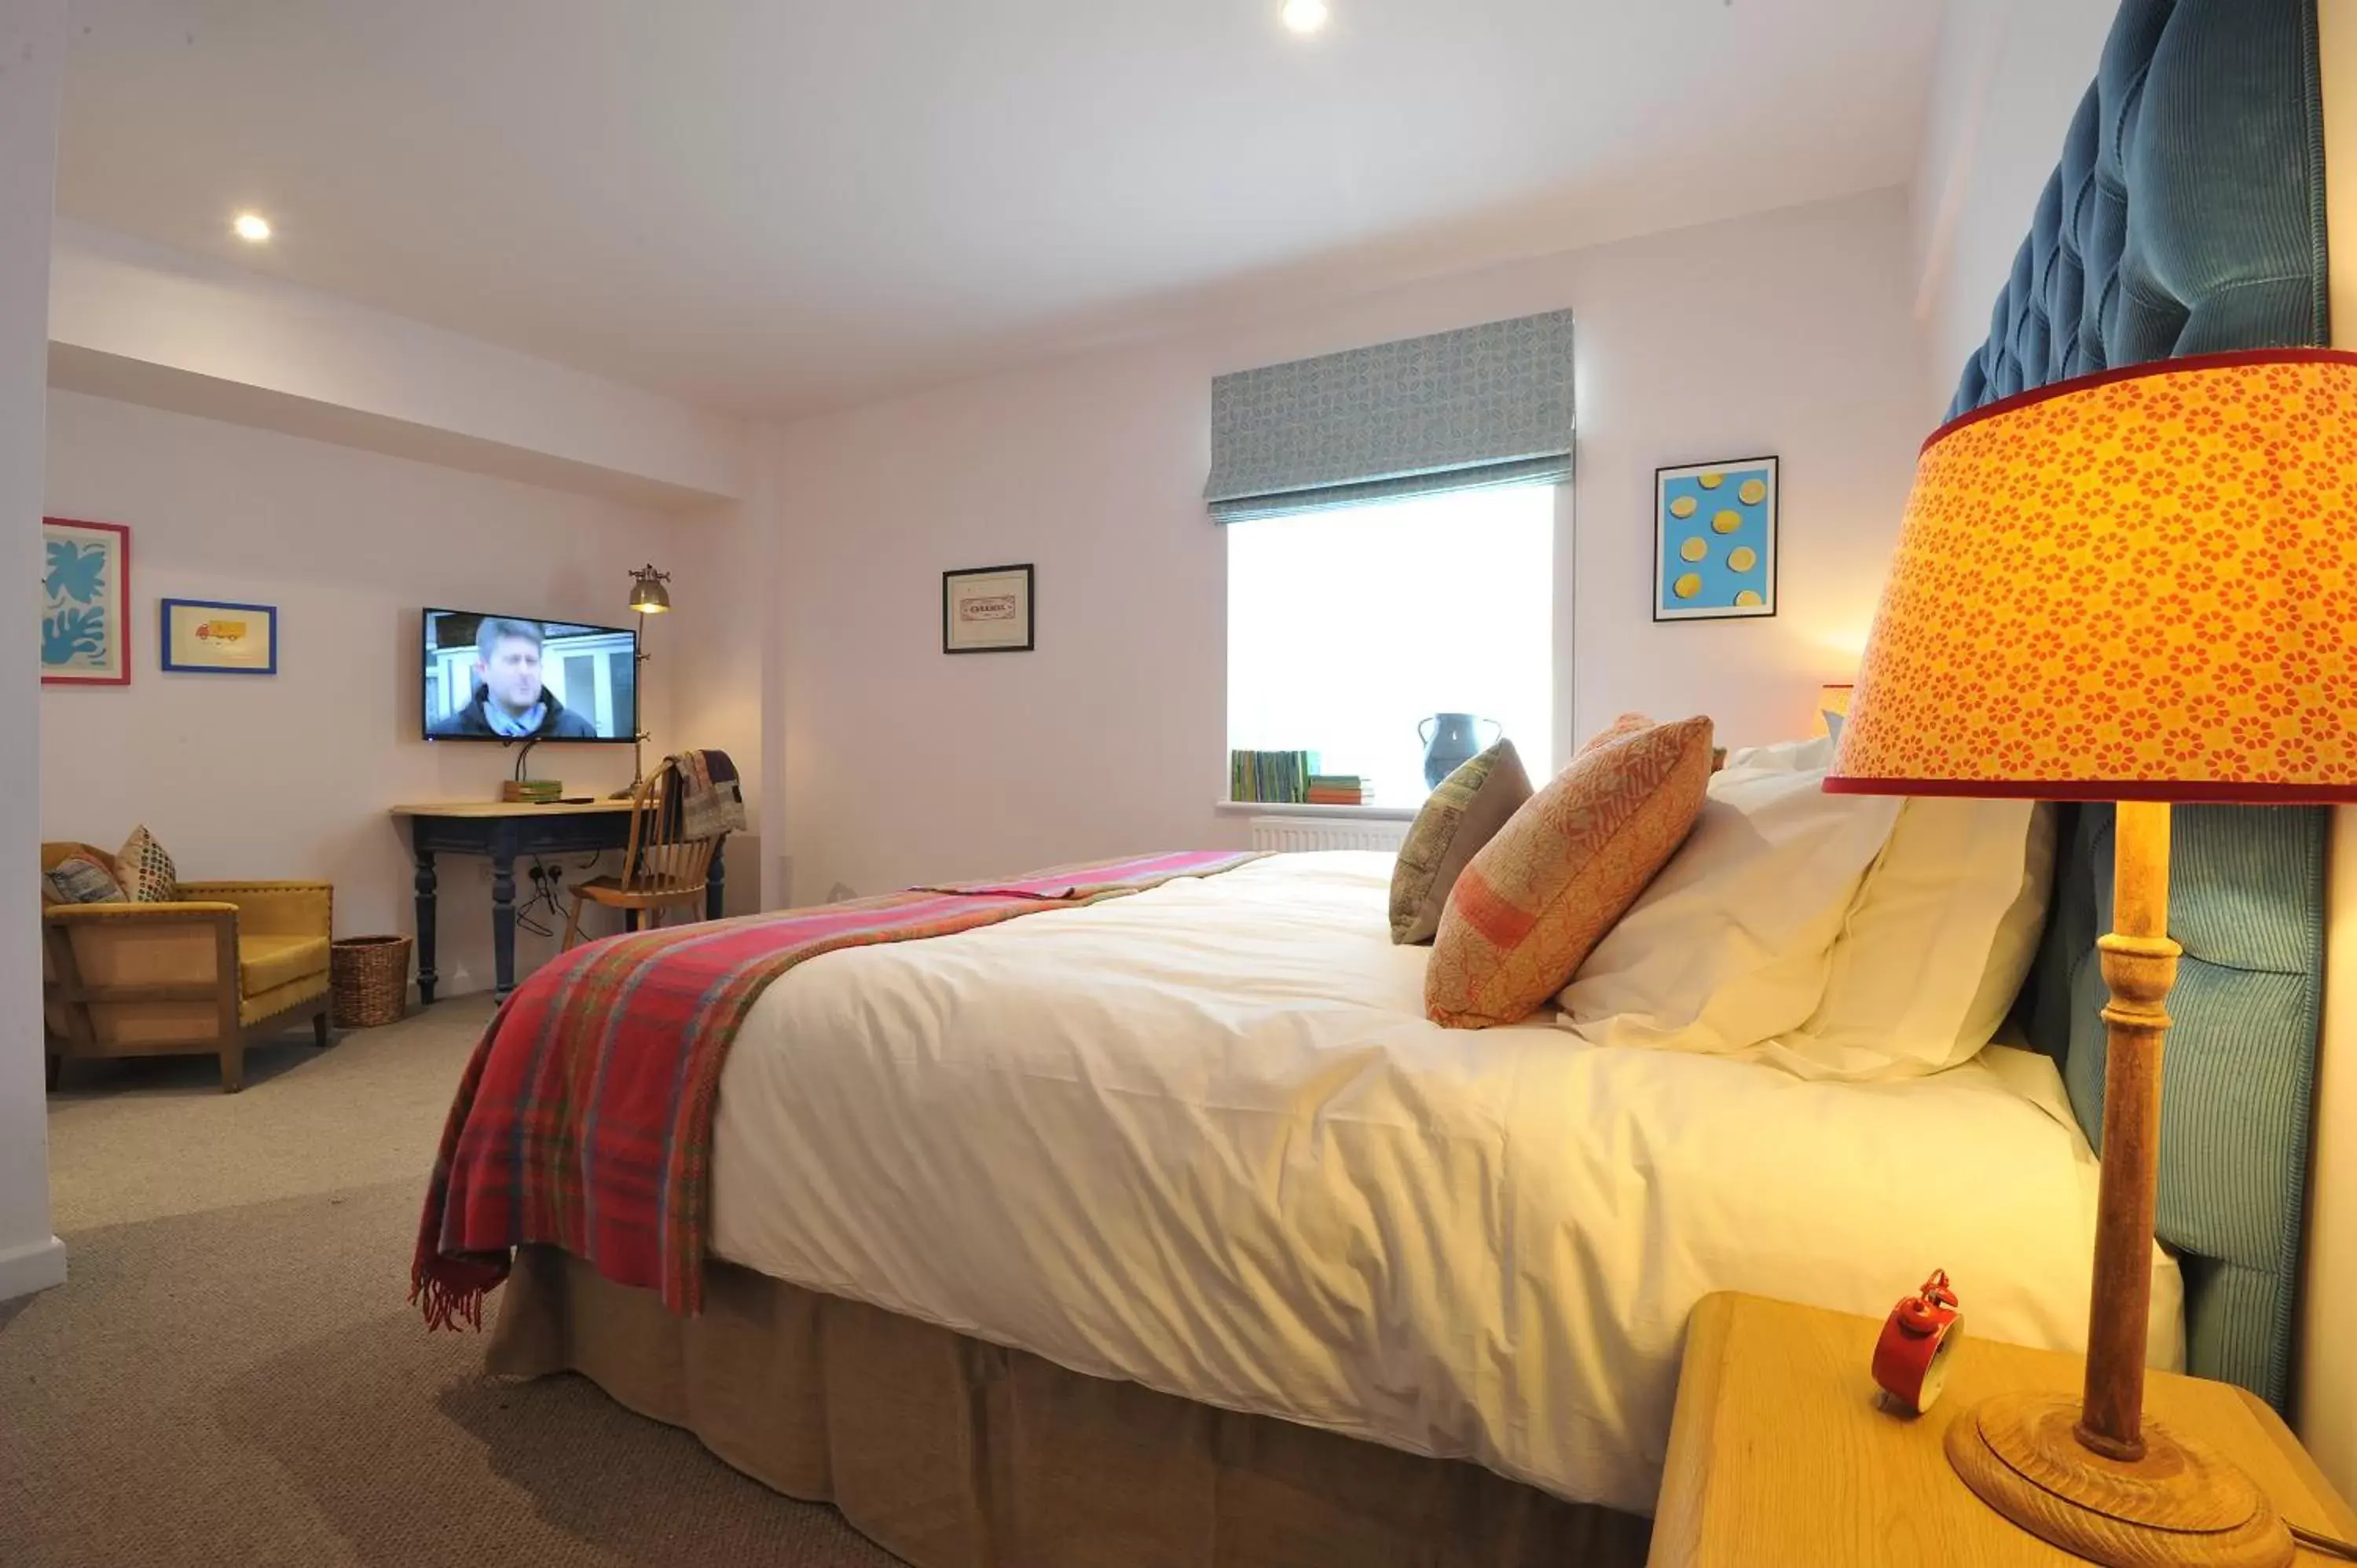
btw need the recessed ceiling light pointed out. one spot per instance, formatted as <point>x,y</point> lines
<point>1305,16</point>
<point>252,227</point>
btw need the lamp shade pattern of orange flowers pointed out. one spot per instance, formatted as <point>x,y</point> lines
<point>2137,585</point>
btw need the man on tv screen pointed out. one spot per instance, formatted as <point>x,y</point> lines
<point>510,702</point>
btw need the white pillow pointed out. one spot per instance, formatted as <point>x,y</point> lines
<point>1785,755</point>
<point>2018,931</point>
<point>1937,941</point>
<point>1728,946</point>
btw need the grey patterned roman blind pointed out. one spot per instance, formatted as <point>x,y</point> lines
<point>1482,405</point>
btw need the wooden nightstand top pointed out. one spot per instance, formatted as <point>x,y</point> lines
<point>1781,1452</point>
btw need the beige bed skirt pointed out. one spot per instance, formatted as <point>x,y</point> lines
<point>953,1453</point>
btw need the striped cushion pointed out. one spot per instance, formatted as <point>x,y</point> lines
<point>1466,812</point>
<point>79,880</point>
<point>1544,891</point>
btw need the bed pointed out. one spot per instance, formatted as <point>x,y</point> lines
<point>1202,1140</point>
<point>1166,1229</point>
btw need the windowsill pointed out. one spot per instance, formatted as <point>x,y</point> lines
<point>1288,808</point>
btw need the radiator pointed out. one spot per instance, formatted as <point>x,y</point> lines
<point>1325,832</point>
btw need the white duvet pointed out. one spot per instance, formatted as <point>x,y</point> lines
<point>1204,1139</point>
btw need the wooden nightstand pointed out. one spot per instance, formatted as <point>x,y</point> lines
<point>1781,1452</point>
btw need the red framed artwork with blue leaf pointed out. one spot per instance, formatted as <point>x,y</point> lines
<point>85,603</point>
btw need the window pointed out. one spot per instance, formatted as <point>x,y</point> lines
<point>1348,626</point>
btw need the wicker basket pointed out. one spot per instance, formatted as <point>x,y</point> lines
<point>370,976</point>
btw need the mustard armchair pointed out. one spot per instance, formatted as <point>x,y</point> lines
<point>225,963</point>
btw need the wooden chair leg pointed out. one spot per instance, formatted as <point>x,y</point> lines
<point>232,1061</point>
<point>573,925</point>
<point>319,1029</point>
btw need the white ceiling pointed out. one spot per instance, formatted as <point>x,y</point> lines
<point>768,206</point>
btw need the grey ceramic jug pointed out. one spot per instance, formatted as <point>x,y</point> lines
<point>1451,742</point>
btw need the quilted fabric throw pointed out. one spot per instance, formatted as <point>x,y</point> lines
<point>584,1117</point>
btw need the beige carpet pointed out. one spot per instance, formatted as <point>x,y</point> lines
<point>231,1375</point>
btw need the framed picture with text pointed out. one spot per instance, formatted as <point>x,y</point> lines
<point>210,637</point>
<point>987,609</point>
<point>85,603</point>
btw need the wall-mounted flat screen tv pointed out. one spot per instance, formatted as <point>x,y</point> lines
<point>518,678</point>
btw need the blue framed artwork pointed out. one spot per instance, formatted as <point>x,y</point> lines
<point>85,603</point>
<point>1714,540</point>
<point>218,639</point>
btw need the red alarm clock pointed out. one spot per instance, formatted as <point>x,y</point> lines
<point>1911,1359</point>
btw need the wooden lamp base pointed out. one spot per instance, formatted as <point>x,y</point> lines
<point>2181,1503</point>
<point>2091,1475</point>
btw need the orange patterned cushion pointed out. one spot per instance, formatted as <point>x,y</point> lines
<point>1544,891</point>
<point>1626,725</point>
<point>145,870</point>
<point>1630,723</point>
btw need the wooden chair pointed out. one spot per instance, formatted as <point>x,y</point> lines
<point>661,870</point>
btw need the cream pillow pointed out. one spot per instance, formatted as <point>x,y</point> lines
<point>1730,945</point>
<point>1785,755</point>
<point>2018,931</point>
<point>1937,942</point>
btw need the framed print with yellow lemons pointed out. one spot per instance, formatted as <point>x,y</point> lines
<point>1714,540</point>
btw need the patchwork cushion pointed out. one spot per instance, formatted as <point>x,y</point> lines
<point>267,962</point>
<point>146,870</point>
<point>1543,892</point>
<point>1463,814</point>
<point>79,880</point>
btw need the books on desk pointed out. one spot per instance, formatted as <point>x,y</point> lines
<point>532,791</point>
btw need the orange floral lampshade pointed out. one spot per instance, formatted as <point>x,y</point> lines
<point>2136,586</point>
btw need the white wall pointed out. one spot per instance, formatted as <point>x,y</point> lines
<point>712,648</point>
<point>2326,1409</point>
<point>32,66</point>
<point>1787,333</point>
<point>144,323</point>
<point>2009,75</point>
<point>290,774</point>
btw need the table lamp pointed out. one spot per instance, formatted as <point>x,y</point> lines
<point>1832,706</point>
<point>2137,586</point>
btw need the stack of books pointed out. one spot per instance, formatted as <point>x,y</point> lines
<point>532,791</point>
<point>1277,776</point>
<point>1338,789</point>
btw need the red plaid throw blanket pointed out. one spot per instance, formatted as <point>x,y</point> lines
<point>584,1118</point>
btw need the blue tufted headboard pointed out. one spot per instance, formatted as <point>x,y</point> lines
<point>2188,216</point>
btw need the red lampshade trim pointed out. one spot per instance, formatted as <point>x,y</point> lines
<point>2187,794</point>
<point>2129,373</point>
